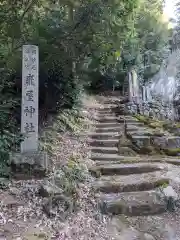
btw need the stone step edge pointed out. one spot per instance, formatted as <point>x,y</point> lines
<point>156,203</point>
<point>118,187</point>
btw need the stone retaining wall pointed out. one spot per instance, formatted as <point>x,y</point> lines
<point>154,109</point>
<point>159,97</point>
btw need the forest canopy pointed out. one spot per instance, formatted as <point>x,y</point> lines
<point>83,44</point>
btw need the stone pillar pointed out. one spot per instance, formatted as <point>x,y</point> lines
<point>29,107</point>
<point>144,93</point>
<point>130,87</point>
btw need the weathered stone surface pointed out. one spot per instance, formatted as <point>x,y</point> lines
<point>170,145</point>
<point>48,189</point>
<point>104,150</point>
<point>139,132</point>
<point>115,158</point>
<point>108,125</point>
<point>107,119</point>
<point>148,237</point>
<point>4,183</point>
<point>104,143</point>
<point>134,203</point>
<point>167,142</point>
<point>33,158</point>
<point>104,136</point>
<point>142,144</point>
<point>137,182</point>
<point>109,157</point>
<point>125,169</point>
<point>169,192</point>
<point>109,129</point>
<point>26,166</point>
<point>170,196</point>
<point>9,201</point>
<point>124,141</point>
<point>126,151</point>
<point>131,127</point>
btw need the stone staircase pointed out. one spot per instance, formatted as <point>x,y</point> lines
<point>131,164</point>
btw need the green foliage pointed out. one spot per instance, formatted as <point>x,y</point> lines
<point>9,137</point>
<point>81,43</point>
<point>146,48</point>
<point>70,175</point>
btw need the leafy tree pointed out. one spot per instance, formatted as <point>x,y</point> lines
<point>74,37</point>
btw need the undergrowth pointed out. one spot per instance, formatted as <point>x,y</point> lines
<point>70,175</point>
<point>68,120</point>
<point>73,171</point>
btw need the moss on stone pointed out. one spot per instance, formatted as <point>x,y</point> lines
<point>177,125</point>
<point>142,118</point>
<point>155,124</point>
<point>172,152</point>
<point>167,126</point>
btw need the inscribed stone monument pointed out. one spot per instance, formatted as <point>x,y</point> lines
<point>29,106</point>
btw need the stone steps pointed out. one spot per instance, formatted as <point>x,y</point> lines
<point>104,136</point>
<point>140,159</point>
<point>109,157</point>
<point>133,159</point>
<point>107,119</point>
<point>106,129</point>
<point>108,125</point>
<point>133,203</point>
<point>127,184</point>
<point>104,143</point>
<point>125,169</point>
<point>131,183</point>
<point>106,113</point>
<point>107,108</point>
<point>104,150</point>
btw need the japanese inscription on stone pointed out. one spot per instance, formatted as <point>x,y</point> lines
<point>29,107</point>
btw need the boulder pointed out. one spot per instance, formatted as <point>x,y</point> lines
<point>170,145</point>
<point>134,203</point>
<point>142,144</point>
<point>48,189</point>
<point>170,197</point>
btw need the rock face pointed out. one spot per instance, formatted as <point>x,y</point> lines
<point>160,95</point>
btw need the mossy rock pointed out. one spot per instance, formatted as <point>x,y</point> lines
<point>144,150</point>
<point>142,118</point>
<point>95,172</point>
<point>172,152</point>
<point>158,133</point>
<point>167,126</point>
<point>177,125</point>
<point>156,124</point>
